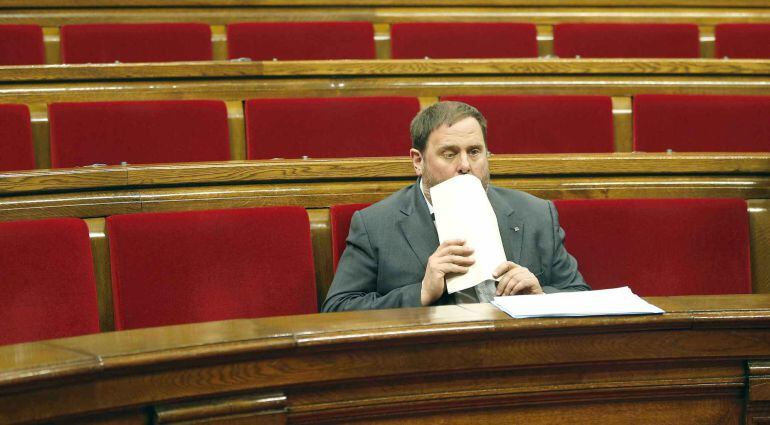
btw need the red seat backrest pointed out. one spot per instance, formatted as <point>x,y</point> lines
<point>701,123</point>
<point>21,45</point>
<point>545,124</point>
<point>262,41</point>
<point>440,40</point>
<point>340,216</point>
<point>186,267</point>
<point>626,40</point>
<point>660,247</point>
<point>161,42</point>
<point>16,151</point>
<point>329,127</point>
<point>46,280</point>
<point>742,41</point>
<point>142,132</point>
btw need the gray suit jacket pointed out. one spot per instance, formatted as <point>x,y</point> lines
<point>390,242</point>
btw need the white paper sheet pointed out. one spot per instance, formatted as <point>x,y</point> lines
<point>463,211</point>
<point>617,301</point>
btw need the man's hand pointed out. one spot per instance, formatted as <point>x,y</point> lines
<point>514,279</point>
<point>453,257</point>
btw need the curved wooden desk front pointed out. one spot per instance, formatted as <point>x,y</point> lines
<point>703,362</point>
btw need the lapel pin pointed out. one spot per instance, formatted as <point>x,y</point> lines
<point>516,229</point>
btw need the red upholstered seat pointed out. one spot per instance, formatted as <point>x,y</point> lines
<point>545,124</point>
<point>463,40</point>
<point>340,216</point>
<point>626,40</point>
<point>300,40</point>
<point>138,132</point>
<point>16,152</point>
<point>46,280</point>
<point>742,41</point>
<point>699,123</point>
<point>660,247</point>
<point>186,267</point>
<point>164,42</point>
<point>329,127</point>
<point>21,45</point>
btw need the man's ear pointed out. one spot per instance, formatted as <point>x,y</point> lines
<point>417,161</point>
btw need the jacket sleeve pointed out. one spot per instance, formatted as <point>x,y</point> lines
<point>355,282</point>
<point>565,276</point>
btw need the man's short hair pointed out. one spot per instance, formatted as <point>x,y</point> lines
<point>441,113</point>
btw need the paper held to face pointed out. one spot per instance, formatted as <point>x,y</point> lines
<point>463,211</point>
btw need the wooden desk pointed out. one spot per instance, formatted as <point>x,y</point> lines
<point>704,362</point>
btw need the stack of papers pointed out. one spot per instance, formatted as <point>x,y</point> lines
<point>618,301</point>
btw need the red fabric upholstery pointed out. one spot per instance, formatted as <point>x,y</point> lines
<point>300,40</point>
<point>463,40</point>
<point>46,280</point>
<point>340,216</point>
<point>165,42</point>
<point>545,124</point>
<point>186,267</point>
<point>138,132</point>
<point>21,45</point>
<point>626,40</point>
<point>329,127</point>
<point>742,41</point>
<point>695,123</point>
<point>16,152</point>
<point>660,247</point>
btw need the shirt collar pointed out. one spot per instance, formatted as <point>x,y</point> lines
<point>430,207</point>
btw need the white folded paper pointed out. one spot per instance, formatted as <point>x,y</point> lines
<point>463,211</point>
<point>606,302</point>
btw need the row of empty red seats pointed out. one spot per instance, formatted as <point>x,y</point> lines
<point>188,267</point>
<point>167,268</point>
<point>146,132</point>
<point>105,43</point>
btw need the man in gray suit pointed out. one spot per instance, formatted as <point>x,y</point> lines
<point>393,257</point>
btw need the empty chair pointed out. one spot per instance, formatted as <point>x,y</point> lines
<point>21,45</point>
<point>660,247</point>
<point>545,124</point>
<point>339,218</point>
<point>329,127</point>
<point>47,280</point>
<point>138,132</point>
<point>626,40</point>
<point>742,41</point>
<point>261,41</point>
<point>462,40</point>
<point>164,42</point>
<point>16,152</point>
<point>698,123</point>
<point>186,267</point>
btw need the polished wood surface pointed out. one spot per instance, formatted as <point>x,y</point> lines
<point>707,356</point>
<point>357,3</point>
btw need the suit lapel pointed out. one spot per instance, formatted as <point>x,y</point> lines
<point>417,226</point>
<point>511,227</point>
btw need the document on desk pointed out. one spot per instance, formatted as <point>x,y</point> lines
<point>606,302</point>
<point>463,211</point>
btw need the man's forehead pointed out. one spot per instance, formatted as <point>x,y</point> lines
<point>459,131</point>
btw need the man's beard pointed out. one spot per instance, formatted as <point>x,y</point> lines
<point>428,181</point>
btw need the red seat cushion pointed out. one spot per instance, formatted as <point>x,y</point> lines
<point>626,40</point>
<point>339,217</point>
<point>165,42</point>
<point>660,247</point>
<point>16,151</point>
<point>138,132</point>
<point>545,124</point>
<point>463,40</point>
<point>21,45</point>
<point>696,123</point>
<point>300,40</point>
<point>185,267</point>
<point>742,41</point>
<point>329,127</point>
<point>47,280</point>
